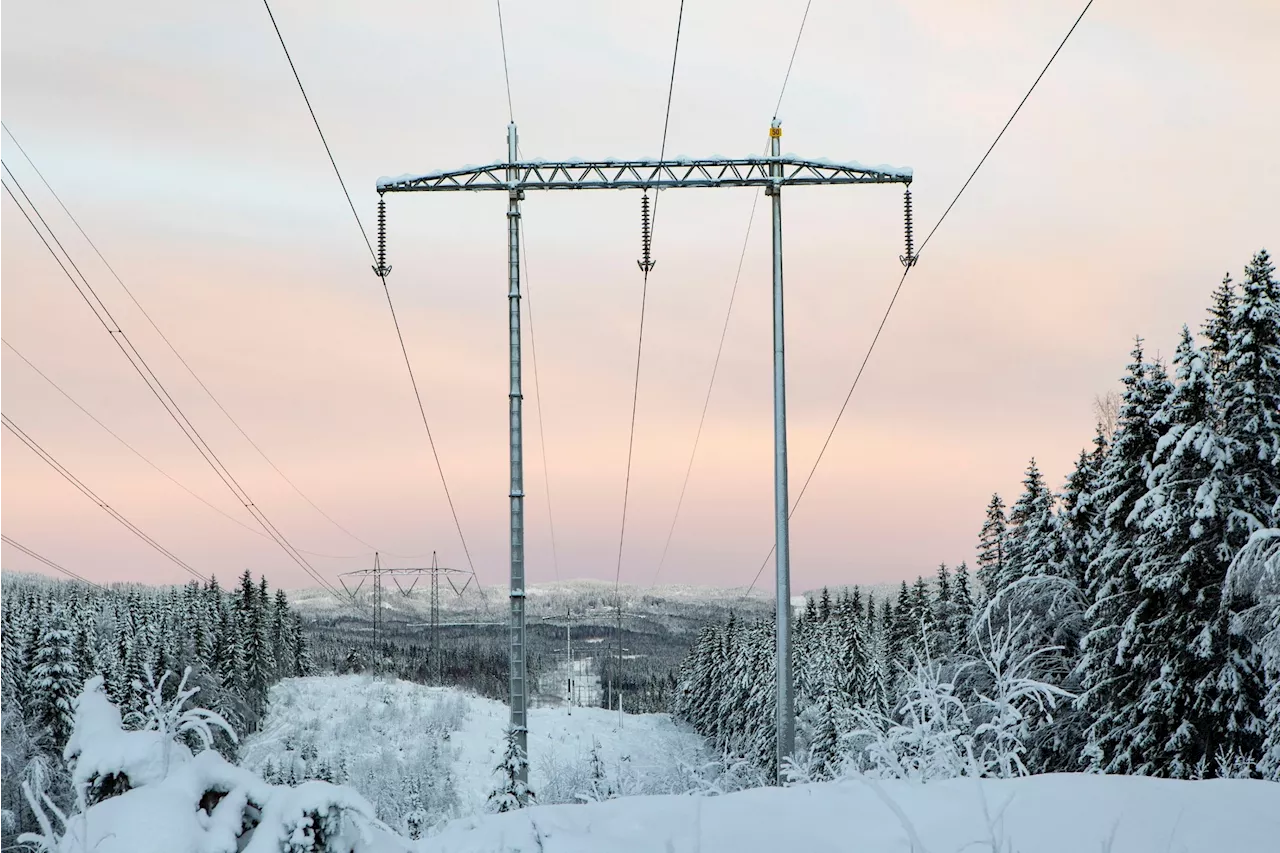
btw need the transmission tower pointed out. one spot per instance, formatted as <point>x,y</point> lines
<point>513,177</point>
<point>435,571</point>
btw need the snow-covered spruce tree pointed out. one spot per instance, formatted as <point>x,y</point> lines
<point>1249,397</point>
<point>512,792</point>
<point>1078,517</point>
<point>963,605</point>
<point>302,649</point>
<point>1109,680</point>
<point>283,652</point>
<point>13,682</point>
<point>1038,587</point>
<point>83,645</point>
<point>1031,538</point>
<point>920,610</point>
<point>755,720</point>
<point>943,643</point>
<point>991,547</point>
<point>1202,681</point>
<point>54,680</point>
<point>1217,329</point>
<point>848,647</point>
<point>825,748</point>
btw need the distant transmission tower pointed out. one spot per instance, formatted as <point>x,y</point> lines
<point>434,571</point>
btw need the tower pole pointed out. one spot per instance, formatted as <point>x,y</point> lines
<point>435,619</point>
<point>518,687</point>
<point>781,502</point>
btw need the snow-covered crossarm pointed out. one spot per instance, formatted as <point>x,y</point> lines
<point>646,174</point>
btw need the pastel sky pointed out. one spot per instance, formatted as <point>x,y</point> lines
<point>1142,169</point>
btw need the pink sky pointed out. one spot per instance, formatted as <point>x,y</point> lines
<point>1141,170</point>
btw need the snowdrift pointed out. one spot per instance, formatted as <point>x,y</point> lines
<point>1063,813</point>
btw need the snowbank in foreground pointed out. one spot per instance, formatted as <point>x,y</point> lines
<point>1064,813</point>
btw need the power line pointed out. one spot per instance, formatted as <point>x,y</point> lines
<point>537,390</point>
<point>906,271</point>
<point>423,412</point>
<point>697,438</point>
<point>145,459</point>
<point>50,563</point>
<point>644,295</point>
<point>89,493</point>
<point>715,367</point>
<point>173,349</point>
<point>1014,115</point>
<point>126,444</point>
<point>382,276</point>
<point>316,121</point>
<point>666,121</point>
<point>794,50</point>
<point>153,383</point>
<point>506,73</point>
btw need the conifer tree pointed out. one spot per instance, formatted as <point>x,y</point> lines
<point>963,603</point>
<point>84,650</point>
<point>922,622</point>
<point>1030,539</point>
<point>1250,401</point>
<point>301,650</point>
<point>991,547</point>
<point>1217,329</point>
<point>55,683</point>
<point>1110,686</point>
<point>258,650</point>
<point>944,615</point>
<point>1078,520</point>
<point>810,616</point>
<point>1202,686</point>
<point>825,750</point>
<point>512,793</point>
<point>14,666</point>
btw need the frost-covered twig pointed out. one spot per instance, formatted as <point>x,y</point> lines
<point>172,719</point>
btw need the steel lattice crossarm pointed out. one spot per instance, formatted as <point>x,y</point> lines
<point>646,174</point>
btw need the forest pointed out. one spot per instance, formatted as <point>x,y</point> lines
<point>56,636</point>
<point>1127,623</point>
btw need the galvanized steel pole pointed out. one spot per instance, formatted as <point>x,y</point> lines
<point>781,503</point>
<point>518,688</point>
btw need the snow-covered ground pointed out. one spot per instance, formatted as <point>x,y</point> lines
<point>394,741</point>
<point>1066,813</point>
<point>572,682</point>
<point>160,798</point>
<point>388,734</point>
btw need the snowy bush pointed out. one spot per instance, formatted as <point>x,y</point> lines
<point>142,791</point>
<point>940,732</point>
<point>391,741</point>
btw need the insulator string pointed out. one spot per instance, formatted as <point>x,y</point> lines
<point>381,270</point>
<point>646,263</point>
<point>909,259</point>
